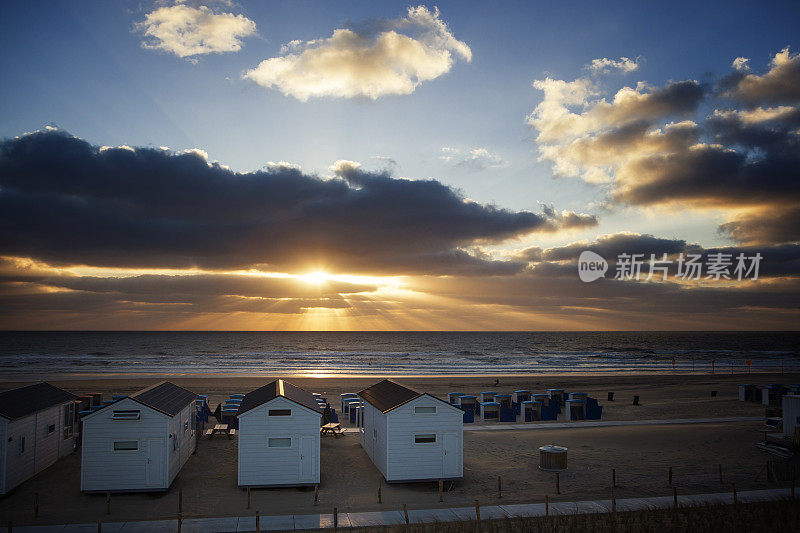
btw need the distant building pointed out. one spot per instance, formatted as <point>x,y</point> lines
<point>139,443</point>
<point>279,444</point>
<point>411,436</point>
<point>37,427</point>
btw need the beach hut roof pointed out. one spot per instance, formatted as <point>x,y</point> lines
<point>387,395</point>
<point>277,388</point>
<point>22,401</point>
<point>165,397</point>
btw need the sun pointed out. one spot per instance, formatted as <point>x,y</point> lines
<point>318,277</point>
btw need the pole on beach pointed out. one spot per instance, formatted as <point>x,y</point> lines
<point>335,519</point>
<point>546,504</point>
<point>405,512</point>
<point>675,496</point>
<point>477,513</point>
<point>735,498</point>
<point>613,477</point>
<point>500,487</point>
<point>613,501</point>
<point>670,477</point>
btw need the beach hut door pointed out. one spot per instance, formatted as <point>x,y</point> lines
<point>155,461</point>
<point>306,458</point>
<point>450,457</point>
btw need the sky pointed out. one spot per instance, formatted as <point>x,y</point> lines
<point>397,166</point>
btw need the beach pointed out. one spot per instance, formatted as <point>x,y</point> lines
<point>640,454</point>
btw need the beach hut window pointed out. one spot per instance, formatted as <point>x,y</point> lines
<point>186,426</point>
<point>424,410</point>
<point>279,442</point>
<point>425,438</point>
<point>126,445</point>
<point>51,429</point>
<point>69,420</point>
<point>280,412</point>
<point>126,414</point>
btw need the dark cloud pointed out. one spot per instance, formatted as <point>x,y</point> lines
<point>780,84</point>
<point>779,260</point>
<point>65,201</point>
<point>768,226</point>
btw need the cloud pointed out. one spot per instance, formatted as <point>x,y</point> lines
<point>781,83</point>
<point>372,60</point>
<point>191,31</point>
<point>64,201</point>
<point>648,146</point>
<point>474,159</point>
<point>604,65</point>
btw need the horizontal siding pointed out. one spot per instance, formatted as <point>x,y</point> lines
<point>20,467</point>
<point>102,468</point>
<point>3,457</point>
<point>408,460</point>
<point>261,465</point>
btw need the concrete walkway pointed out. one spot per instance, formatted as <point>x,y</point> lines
<point>393,517</point>
<point>598,423</point>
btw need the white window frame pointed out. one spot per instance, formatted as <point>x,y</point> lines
<point>270,439</point>
<point>416,412</point>
<point>415,435</point>
<point>69,420</point>
<point>124,450</point>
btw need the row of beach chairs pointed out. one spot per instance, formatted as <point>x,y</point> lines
<point>491,406</point>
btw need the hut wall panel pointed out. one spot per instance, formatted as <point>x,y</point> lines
<point>410,461</point>
<point>260,465</point>
<point>102,468</point>
<point>20,467</point>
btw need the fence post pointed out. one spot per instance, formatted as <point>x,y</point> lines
<point>613,477</point>
<point>335,519</point>
<point>258,521</point>
<point>669,481</point>
<point>405,512</point>
<point>735,498</point>
<point>546,505</point>
<point>441,489</point>
<point>500,487</point>
<point>675,496</point>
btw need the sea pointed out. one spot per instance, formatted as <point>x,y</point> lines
<point>392,353</point>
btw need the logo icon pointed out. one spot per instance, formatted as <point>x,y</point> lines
<point>591,266</point>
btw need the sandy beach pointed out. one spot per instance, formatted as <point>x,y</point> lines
<point>641,455</point>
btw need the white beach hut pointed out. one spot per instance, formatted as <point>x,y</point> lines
<point>139,443</point>
<point>279,437</point>
<point>411,436</point>
<point>791,414</point>
<point>37,427</point>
